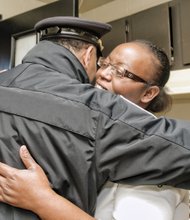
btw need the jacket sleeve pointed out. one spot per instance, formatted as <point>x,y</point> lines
<point>138,148</point>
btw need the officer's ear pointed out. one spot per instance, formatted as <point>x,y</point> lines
<point>87,56</point>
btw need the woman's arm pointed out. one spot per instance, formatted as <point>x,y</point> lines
<point>37,195</point>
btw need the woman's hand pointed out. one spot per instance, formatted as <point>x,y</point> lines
<point>30,189</point>
<point>23,188</point>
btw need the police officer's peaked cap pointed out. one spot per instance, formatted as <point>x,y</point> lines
<point>74,28</point>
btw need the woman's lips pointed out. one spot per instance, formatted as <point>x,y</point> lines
<point>100,87</point>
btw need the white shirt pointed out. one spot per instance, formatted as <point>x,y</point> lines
<point>126,202</point>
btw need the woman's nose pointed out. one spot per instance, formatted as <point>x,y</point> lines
<point>105,74</point>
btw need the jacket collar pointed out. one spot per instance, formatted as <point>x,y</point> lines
<point>57,58</point>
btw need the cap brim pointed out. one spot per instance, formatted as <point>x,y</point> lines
<point>96,28</point>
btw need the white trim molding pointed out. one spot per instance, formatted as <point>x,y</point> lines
<point>179,82</point>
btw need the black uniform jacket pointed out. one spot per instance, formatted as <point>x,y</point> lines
<point>81,135</point>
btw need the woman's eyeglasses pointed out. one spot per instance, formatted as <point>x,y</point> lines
<point>119,71</point>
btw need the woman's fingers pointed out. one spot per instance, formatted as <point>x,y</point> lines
<point>26,157</point>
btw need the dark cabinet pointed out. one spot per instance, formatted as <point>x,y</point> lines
<point>184,19</point>
<point>115,37</point>
<point>167,25</point>
<point>154,25</point>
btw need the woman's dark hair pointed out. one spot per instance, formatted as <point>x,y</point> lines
<point>163,101</point>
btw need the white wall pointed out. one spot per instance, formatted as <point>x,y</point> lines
<point>10,8</point>
<point>120,8</point>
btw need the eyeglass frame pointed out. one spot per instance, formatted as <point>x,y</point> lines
<point>102,64</point>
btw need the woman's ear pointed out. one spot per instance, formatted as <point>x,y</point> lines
<point>150,93</point>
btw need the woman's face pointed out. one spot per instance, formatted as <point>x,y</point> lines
<point>129,58</point>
